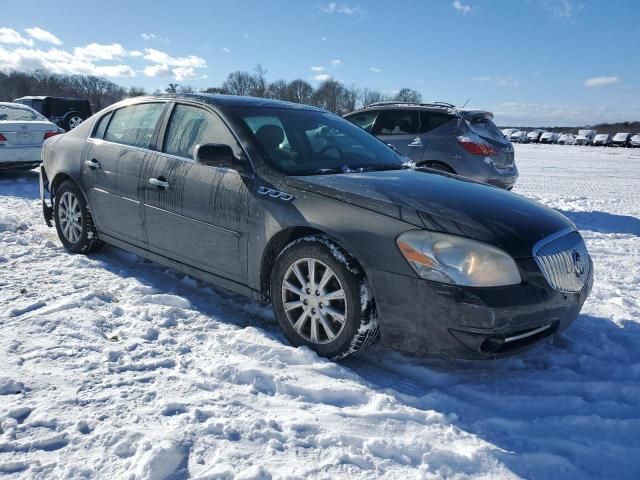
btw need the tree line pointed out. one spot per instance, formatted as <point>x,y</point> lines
<point>330,94</point>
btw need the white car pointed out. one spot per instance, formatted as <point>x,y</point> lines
<point>567,139</point>
<point>586,137</point>
<point>635,140</point>
<point>508,131</point>
<point>534,135</point>
<point>549,137</point>
<point>519,136</point>
<point>22,133</point>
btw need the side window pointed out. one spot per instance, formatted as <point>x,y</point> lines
<point>397,122</point>
<point>134,125</point>
<point>432,120</point>
<point>364,120</point>
<point>190,126</point>
<point>101,126</point>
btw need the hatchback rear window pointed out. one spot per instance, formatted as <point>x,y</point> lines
<point>485,128</point>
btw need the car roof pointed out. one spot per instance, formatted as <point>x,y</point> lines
<point>42,97</point>
<point>217,99</point>
<point>440,107</point>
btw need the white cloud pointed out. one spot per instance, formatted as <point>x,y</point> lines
<point>322,77</point>
<point>375,69</point>
<point>153,36</point>
<point>115,71</point>
<point>317,68</point>
<point>10,36</point>
<point>563,10</point>
<point>336,63</point>
<point>546,115</point>
<point>226,50</point>
<point>136,53</point>
<point>158,70</point>
<point>501,81</point>
<point>600,81</point>
<point>461,7</point>
<point>334,7</point>
<point>43,35</point>
<point>97,51</point>
<point>157,56</point>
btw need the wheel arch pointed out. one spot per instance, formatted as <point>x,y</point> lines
<point>280,240</point>
<point>428,163</point>
<point>60,178</point>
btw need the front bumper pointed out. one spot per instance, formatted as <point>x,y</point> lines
<point>429,318</point>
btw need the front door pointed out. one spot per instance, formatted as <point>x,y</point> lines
<point>197,214</point>
<point>400,128</point>
<point>114,167</point>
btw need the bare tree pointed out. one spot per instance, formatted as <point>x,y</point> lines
<point>136,92</point>
<point>329,95</point>
<point>172,88</point>
<point>408,95</point>
<point>278,90</point>
<point>300,91</point>
<point>238,83</point>
<point>348,99</point>
<point>368,96</point>
<point>259,88</point>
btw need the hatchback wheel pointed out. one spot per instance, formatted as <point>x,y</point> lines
<point>73,220</point>
<point>322,300</point>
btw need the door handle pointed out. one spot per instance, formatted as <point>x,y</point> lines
<point>159,183</point>
<point>93,163</point>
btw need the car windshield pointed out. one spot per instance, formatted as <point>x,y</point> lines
<point>18,113</point>
<point>621,136</point>
<point>601,137</point>
<point>309,142</point>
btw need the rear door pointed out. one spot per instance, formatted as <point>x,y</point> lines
<point>400,129</point>
<point>114,169</point>
<point>197,214</point>
<point>438,136</point>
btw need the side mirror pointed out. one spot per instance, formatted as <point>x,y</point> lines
<point>216,155</point>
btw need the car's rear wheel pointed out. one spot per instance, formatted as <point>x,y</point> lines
<point>72,121</point>
<point>322,300</point>
<point>73,220</point>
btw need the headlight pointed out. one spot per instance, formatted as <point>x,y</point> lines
<point>457,260</point>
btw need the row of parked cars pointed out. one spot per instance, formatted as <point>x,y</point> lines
<point>584,137</point>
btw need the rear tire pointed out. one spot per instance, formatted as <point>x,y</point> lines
<point>322,300</point>
<point>73,220</point>
<point>72,120</point>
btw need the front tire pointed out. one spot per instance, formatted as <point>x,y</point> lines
<point>322,300</point>
<point>73,220</point>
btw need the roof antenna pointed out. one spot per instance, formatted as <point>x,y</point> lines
<point>465,103</point>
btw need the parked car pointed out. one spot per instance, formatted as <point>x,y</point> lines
<point>549,137</point>
<point>602,140</point>
<point>566,139</point>
<point>519,137</point>
<point>299,207</point>
<point>508,131</point>
<point>443,137</point>
<point>22,132</point>
<point>622,139</point>
<point>534,135</point>
<point>635,140</point>
<point>67,113</point>
<point>585,137</point>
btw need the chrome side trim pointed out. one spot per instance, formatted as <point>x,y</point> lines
<point>531,333</point>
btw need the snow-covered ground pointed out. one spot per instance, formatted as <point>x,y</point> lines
<point>113,367</point>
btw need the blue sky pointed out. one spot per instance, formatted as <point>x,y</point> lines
<point>534,62</point>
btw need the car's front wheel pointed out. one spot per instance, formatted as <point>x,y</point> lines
<point>321,298</point>
<point>73,220</point>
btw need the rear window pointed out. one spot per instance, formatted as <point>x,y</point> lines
<point>484,127</point>
<point>18,113</point>
<point>397,122</point>
<point>134,125</point>
<point>432,120</point>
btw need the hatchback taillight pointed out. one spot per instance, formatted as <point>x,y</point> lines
<point>3,138</point>
<point>476,146</point>
<point>50,134</point>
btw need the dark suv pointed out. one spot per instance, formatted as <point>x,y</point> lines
<point>67,113</point>
<point>440,136</point>
<point>297,206</point>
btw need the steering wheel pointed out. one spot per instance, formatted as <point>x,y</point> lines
<point>331,147</point>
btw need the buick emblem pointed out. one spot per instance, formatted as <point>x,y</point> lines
<point>579,263</point>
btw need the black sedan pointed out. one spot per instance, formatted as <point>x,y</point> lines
<point>298,207</point>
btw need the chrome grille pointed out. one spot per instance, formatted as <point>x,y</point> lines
<point>564,261</point>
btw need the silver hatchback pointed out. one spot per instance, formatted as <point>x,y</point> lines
<point>441,136</point>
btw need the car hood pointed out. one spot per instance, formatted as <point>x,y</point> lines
<point>444,203</point>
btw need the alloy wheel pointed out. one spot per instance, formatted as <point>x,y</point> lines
<point>70,217</point>
<point>314,300</point>
<point>74,122</point>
